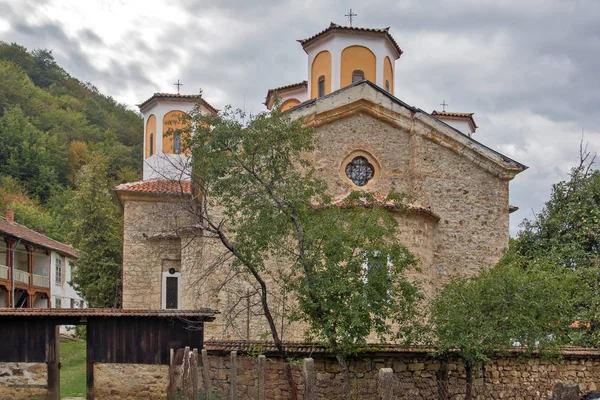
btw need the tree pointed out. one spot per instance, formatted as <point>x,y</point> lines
<point>259,197</point>
<point>566,235</point>
<point>96,232</point>
<point>505,306</point>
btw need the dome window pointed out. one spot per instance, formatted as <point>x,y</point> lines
<point>321,86</point>
<point>357,75</point>
<point>151,143</point>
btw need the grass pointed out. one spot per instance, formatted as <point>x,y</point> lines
<point>72,372</point>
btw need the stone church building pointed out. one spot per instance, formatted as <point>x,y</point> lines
<point>367,139</point>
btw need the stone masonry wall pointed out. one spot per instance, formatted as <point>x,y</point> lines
<point>130,381</point>
<point>20,380</point>
<point>507,378</point>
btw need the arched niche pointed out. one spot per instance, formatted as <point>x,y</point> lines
<point>150,136</point>
<point>321,67</point>
<point>357,58</point>
<point>388,75</point>
<point>289,103</point>
<point>175,127</point>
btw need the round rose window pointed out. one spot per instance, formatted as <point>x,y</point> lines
<point>359,171</point>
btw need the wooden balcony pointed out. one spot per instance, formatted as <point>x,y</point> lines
<point>22,277</point>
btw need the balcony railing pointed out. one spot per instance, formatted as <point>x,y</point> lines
<point>41,281</point>
<point>22,276</point>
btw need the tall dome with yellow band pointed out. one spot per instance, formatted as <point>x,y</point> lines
<point>337,57</point>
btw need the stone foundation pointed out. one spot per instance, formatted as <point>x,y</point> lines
<point>19,380</point>
<point>130,381</point>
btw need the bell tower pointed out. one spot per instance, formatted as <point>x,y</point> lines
<point>164,124</point>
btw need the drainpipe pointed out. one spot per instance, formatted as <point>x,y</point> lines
<point>12,274</point>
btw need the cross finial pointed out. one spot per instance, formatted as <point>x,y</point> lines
<point>200,92</point>
<point>178,84</point>
<point>444,105</point>
<point>350,16</point>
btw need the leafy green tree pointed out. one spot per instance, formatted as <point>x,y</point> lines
<point>566,235</point>
<point>28,155</point>
<point>505,306</point>
<point>96,232</point>
<point>260,197</point>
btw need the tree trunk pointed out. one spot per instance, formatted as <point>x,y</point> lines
<point>442,378</point>
<point>345,372</point>
<point>469,374</point>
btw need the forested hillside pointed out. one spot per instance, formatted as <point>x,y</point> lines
<point>52,124</point>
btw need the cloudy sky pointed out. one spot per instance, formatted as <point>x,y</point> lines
<point>528,69</point>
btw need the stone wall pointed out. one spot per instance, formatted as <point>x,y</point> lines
<point>19,380</point>
<point>130,381</point>
<point>415,376</point>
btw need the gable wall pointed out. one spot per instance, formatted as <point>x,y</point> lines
<point>472,203</point>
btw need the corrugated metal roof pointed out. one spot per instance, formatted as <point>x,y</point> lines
<point>13,229</point>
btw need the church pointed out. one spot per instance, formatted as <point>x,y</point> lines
<point>367,139</point>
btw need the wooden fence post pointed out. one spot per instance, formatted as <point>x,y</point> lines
<point>262,361</point>
<point>386,384</point>
<point>309,379</point>
<point>185,371</point>
<point>233,388</point>
<point>206,376</point>
<point>195,376</point>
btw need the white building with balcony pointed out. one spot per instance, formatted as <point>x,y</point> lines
<point>35,270</point>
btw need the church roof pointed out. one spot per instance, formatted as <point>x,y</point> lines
<point>286,88</point>
<point>156,186</point>
<point>456,115</point>
<point>462,142</point>
<point>352,29</point>
<point>176,97</point>
<point>381,200</point>
<point>13,229</point>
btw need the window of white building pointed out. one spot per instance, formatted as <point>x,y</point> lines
<point>59,271</point>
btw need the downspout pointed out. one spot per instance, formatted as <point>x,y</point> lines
<point>12,274</point>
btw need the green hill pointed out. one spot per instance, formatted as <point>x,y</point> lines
<point>51,124</point>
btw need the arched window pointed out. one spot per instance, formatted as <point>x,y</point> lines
<point>177,143</point>
<point>321,86</point>
<point>387,86</point>
<point>357,75</point>
<point>360,171</point>
<point>151,143</point>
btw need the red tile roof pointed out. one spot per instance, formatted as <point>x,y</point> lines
<point>286,88</point>
<point>312,348</point>
<point>381,200</point>
<point>339,28</point>
<point>15,230</point>
<point>105,312</point>
<point>176,96</point>
<point>455,115</point>
<point>156,186</point>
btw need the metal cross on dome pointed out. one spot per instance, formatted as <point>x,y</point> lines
<point>178,84</point>
<point>444,105</point>
<point>350,16</point>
